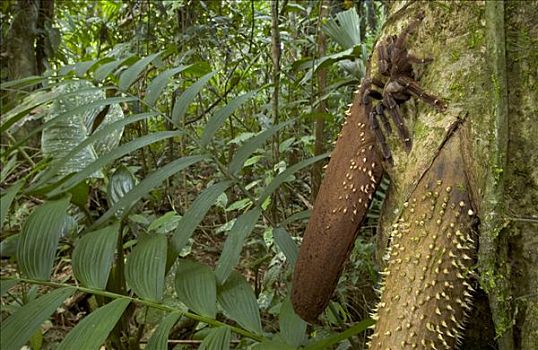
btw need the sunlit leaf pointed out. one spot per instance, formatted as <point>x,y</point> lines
<point>185,99</point>
<point>250,146</point>
<point>7,198</point>
<point>196,287</point>
<point>234,243</point>
<point>149,183</point>
<point>286,244</point>
<point>130,75</point>
<point>345,29</point>
<point>100,133</point>
<point>194,215</point>
<point>237,299</point>
<point>93,256</point>
<point>111,156</point>
<point>217,339</point>
<point>17,329</point>
<point>218,119</point>
<point>106,69</point>
<point>292,327</point>
<point>159,338</point>
<point>158,84</point>
<point>39,239</point>
<point>121,182</point>
<point>145,267</point>
<point>92,331</point>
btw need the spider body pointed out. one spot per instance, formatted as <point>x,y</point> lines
<point>395,65</point>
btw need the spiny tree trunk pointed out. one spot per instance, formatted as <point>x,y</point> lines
<point>485,66</point>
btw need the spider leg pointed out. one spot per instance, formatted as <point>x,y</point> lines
<point>413,87</point>
<point>374,124</point>
<point>394,111</point>
<point>380,111</point>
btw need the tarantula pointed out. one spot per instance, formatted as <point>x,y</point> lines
<point>395,62</point>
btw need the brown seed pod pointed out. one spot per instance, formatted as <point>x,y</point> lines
<point>427,291</point>
<point>351,179</point>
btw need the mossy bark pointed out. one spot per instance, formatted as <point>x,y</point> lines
<point>485,66</point>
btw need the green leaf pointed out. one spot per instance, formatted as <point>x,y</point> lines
<point>196,287</point>
<point>218,119</point>
<point>22,83</point>
<point>93,330</point>
<point>345,29</point>
<point>149,183</point>
<point>121,182</point>
<point>250,146</point>
<point>93,256</point>
<point>292,327</point>
<point>17,329</point>
<point>82,67</point>
<point>159,338</point>
<point>53,168</point>
<point>145,267</point>
<point>194,215</point>
<point>326,343</point>
<point>5,285</point>
<point>234,243</point>
<point>157,85</point>
<point>286,174</point>
<point>129,76</point>
<point>111,156</point>
<point>238,301</point>
<point>217,339</point>
<point>39,239</point>
<point>185,99</point>
<point>7,198</point>
<point>286,244</point>
<point>104,71</point>
<point>30,102</point>
<point>272,345</point>
<point>8,246</point>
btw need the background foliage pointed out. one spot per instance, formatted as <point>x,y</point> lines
<point>149,187</point>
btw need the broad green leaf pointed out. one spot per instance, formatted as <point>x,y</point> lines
<point>121,182</point>
<point>250,146</point>
<point>145,267</point>
<point>5,285</point>
<point>185,99</point>
<point>272,345</point>
<point>234,243</point>
<point>292,327</point>
<point>8,246</point>
<point>194,215</point>
<point>165,223</point>
<point>237,299</point>
<point>111,156</point>
<point>286,244</point>
<point>302,215</point>
<point>106,69</point>
<point>218,119</point>
<point>22,83</point>
<point>7,198</point>
<point>286,174</point>
<point>345,29</point>
<point>217,339</point>
<point>70,113</point>
<point>159,338</point>
<point>93,256</point>
<point>30,102</point>
<point>17,329</point>
<point>196,287</point>
<point>158,84</point>
<point>326,343</point>
<point>7,168</point>
<point>100,133</point>
<point>39,239</point>
<point>93,330</point>
<point>149,183</point>
<point>82,67</point>
<point>130,75</point>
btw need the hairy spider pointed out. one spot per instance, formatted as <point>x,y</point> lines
<point>395,62</point>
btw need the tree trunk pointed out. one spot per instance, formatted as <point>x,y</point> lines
<point>485,66</point>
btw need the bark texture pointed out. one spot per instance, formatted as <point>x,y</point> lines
<point>484,64</point>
